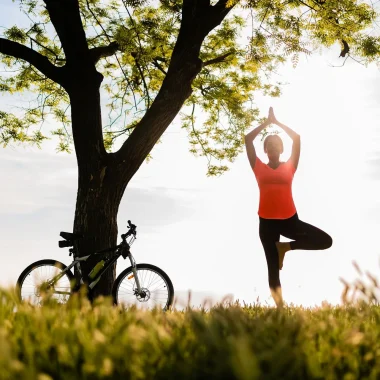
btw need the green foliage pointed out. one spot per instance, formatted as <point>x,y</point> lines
<point>369,48</point>
<point>235,68</point>
<point>230,341</point>
<point>13,129</point>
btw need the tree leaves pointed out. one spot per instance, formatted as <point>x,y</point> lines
<point>369,48</point>
<point>15,34</point>
<point>13,129</point>
<point>221,107</point>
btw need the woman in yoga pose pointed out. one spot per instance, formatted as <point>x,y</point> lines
<point>277,212</point>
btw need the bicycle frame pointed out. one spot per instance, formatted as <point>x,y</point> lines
<point>117,252</point>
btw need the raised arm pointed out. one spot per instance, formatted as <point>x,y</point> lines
<point>251,152</point>
<point>296,147</point>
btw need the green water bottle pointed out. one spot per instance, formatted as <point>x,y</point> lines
<point>96,269</point>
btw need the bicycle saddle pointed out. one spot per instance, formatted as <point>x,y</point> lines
<point>70,236</point>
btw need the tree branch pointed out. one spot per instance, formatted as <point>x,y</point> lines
<point>345,48</point>
<point>65,17</point>
<point>219,59</point>
<point>307,5</point>
<point>198,19</point>
<point>36,59</point>
<point>45,48</point>
<point>134,55</point>
<point>219,11</point>
<point>158,66</point>
<point>104,51</point>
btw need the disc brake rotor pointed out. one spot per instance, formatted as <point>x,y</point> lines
<point>144,295</point>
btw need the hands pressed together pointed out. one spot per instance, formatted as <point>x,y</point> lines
<point>271,118</point>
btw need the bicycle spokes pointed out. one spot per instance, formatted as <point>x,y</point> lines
<point>153,290</point>
<point>46,282</point>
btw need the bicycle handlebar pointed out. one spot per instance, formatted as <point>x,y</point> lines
<point>130,225</point>
<point>132,230</point>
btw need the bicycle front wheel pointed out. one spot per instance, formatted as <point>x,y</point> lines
<point>45,278</point>
<point>156,288</point>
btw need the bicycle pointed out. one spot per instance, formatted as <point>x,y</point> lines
<point>131,284</point>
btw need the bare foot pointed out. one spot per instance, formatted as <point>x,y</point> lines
<point>282,248</point>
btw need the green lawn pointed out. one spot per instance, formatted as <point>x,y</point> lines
<point>80,341</point>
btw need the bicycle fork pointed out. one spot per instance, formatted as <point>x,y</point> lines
<point>134,271</point>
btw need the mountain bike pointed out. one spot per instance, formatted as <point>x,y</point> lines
<point>143,285</point>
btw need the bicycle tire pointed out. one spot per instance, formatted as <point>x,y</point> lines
<point>38,264</point>
<point>140,267</point>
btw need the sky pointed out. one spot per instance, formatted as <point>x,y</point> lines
<point>202,231</point>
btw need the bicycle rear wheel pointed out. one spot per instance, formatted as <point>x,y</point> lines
<point>34,283</point>
<point>157,288</point>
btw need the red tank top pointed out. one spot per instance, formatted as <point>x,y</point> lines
<point>275,185</point>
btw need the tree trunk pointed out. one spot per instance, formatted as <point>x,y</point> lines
<point>100,188</point>
<point>96,217</point>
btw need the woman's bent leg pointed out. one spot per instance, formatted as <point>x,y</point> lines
<point>269,235</point>
<point>305,235</point>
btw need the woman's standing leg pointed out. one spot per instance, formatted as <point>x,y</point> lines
<point>305,236</point>
<point>269,235</point>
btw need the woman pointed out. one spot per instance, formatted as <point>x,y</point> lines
<point>277,212</point>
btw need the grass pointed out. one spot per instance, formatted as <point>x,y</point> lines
<point>231,341</point>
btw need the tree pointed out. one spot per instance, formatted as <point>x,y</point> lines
<point>151,59</point>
